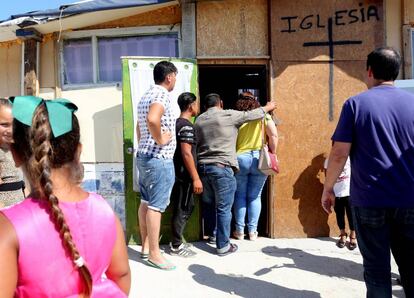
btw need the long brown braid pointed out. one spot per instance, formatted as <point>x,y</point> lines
<point>47,153</point>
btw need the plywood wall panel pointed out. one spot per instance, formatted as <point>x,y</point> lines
<point>232,28</point>
<point>47,64</point>
<point>305,132</point>
<point>408,13</point>
<point>310,82</point>
<point>295,24</point>
<point>163,16</point>
<point>232,61</point>
<point>10,74</point>
<point>394,22</point>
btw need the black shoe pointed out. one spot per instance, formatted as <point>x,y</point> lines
<point>232,248</point>
<point>211,240</point>
<point>342,240</point>
<point>352,243</point>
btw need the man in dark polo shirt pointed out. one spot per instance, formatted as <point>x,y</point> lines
<point>376,128</point>
<point>216,130</point>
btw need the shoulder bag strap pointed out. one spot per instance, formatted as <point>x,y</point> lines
<point>263,131</point>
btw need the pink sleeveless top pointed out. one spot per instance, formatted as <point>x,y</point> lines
<point>44,268</point>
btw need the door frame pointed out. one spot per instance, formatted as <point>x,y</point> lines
<point>237,62</point>
<point>132,198</point>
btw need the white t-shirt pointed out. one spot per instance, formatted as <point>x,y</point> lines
<point>147,144</point>
<point>341,187</point>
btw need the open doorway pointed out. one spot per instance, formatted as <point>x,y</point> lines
<point>228,81</point>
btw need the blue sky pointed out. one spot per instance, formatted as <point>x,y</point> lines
<point>10,7</point>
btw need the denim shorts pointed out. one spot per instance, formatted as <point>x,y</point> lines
<point>156,180</point>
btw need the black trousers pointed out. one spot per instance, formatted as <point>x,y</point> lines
<point>379,232</point>
<point>182,200</point>
<point>342,206</point>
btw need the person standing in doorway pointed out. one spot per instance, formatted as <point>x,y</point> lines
<point>156,146</point>
<point>11,178</point>
<point>376,128</point>
<point>187,180</point>
<point>216,130</point>
<point>250,180</point>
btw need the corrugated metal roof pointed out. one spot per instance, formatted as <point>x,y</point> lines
<point>77,15</point>
<point>85,7</point>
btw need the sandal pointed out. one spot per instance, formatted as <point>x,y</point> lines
<point>352,243</point>
<point>144,256</point>
<point>341,242</point>
<point>232,248</point>
<point>167,266</point>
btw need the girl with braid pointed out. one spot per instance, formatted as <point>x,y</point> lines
<point>61,241</point>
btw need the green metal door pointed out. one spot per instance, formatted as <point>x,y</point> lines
<point>136,78</point>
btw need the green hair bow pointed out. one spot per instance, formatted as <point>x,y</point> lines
<point>60,112</point>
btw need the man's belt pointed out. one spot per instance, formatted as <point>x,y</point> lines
<point>216,164</point>
<point>220,165</point>
<point>12,186</point>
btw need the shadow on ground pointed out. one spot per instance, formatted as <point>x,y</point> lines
<point>328,266</point>
<point>332,267</point>
<point>244,286</point>
<point>204,246</point>
<point>135,255</point>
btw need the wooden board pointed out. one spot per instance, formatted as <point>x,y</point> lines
<point>229,61</point>
<point>47,65</point>
<point>163,16</point>
<point>318,54</point>
<point>357,28</point>
<point>10,57</point>
<point>31,77</point>
<point>408,14</point>
<point>302,98</point>
<point>232,28</point>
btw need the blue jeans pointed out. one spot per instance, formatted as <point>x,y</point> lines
<point>219,187</point>
<point>208,209</point>
<point>380,230</point>
<point>250,182</point>
<point>156,180</point>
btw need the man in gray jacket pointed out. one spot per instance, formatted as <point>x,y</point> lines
<point>216,130</point>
